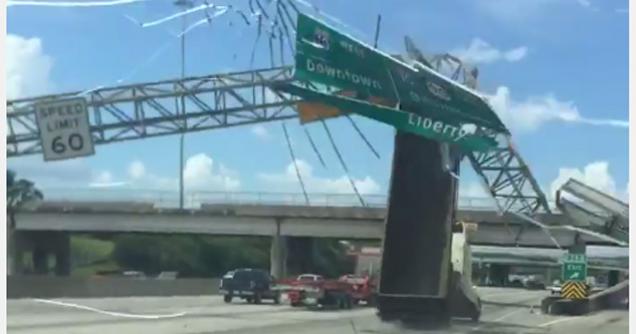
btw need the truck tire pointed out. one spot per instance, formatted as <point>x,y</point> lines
<point>227,298</point>
<point>475,317</point>
<point>277,298</point>
<point>257,298</point>
<point>349,302</point>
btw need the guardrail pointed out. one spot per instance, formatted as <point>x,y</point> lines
<point>193,199</point>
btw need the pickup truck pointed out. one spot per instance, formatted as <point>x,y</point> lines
<point>252,285</point>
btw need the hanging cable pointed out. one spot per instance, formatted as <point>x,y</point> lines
<point>314,147</point>
<point>364,138</point>
<point>291,3</point>
<point>258,36</point>
<point>271,50</point>
<point>342,163</point>
<point>293,157</point>
<point>290,41</point>
<point>281,44</point>
<point>251,5</point>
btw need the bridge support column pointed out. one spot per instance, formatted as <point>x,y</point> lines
<point>62,255</point>
<point>612,278</point>
<point>278,254</point>
<point>40,260</point>
<point>15,252</point>
<point>300,258</point>
<point>498,274</point>
<point>548,276</point>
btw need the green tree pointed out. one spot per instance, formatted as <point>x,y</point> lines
<point>20,192</point>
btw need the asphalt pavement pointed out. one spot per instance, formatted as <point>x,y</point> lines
<point>504,311</point>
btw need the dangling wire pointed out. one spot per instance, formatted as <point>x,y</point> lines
<point>314,147</point>
<point>293,157</point>
<point>271,50</point>
<point>342,162</point>
<point>258,36</point>
<point>290,41</point>
<point>355,126</point>
<point>281,44</point>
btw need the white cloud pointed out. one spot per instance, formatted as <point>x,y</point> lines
<point>595,174</point>
<point>481,52</point>
<point>528,115</point>
<point>54,174</point>
<point>104,179</point>
<point>314,184</point>
<point>199,174</point>
<point>514,11</point>
<point>587,4</point>
<point>260,131</point>
<point>28,67</point>
<point>136,170</point>
<point>472,190</point>
<point>515,54</point>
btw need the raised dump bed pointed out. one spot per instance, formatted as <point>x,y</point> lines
<point>416,252</point>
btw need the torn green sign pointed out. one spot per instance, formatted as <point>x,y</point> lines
<point>327,56</point>
<point>461,134</point>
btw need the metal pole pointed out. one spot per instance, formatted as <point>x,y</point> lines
<point>183,4</point>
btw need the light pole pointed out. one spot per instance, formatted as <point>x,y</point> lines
<point>183,4</point>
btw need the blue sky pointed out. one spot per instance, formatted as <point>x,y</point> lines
<point>551,67</point>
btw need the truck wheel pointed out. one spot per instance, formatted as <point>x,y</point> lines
<point>227,299</point>
<point>249,300</point>
<point>349,302</point>
<point>475,317</point>
<point>277,299</point>
<point>257,298</point>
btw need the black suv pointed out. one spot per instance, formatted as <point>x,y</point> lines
<point>252,285</point>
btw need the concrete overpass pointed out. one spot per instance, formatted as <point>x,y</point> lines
<point>49,224</point>
<point>275,220</point>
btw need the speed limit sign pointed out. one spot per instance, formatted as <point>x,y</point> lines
<point>64,129</point>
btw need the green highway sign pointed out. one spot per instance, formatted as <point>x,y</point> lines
<point>426,126</point>
<point>574,267</point>
<point>327,56</point>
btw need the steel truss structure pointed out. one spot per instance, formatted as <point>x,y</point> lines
<point>223,100</point>
<point>503,171</point>
<point>162,108</point>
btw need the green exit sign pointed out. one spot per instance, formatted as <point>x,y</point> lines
<point>574,267</point>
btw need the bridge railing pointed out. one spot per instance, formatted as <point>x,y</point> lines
<point>194,199</point>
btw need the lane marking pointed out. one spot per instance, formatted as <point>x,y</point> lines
<point>509,314</point>
<point>549,323</point>
<point>114,314</point>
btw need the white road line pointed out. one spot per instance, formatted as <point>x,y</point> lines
<point>509,314</point>
<point>114,314</point>
<point>549,323</point>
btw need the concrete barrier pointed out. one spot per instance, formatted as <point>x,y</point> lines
<point>73,287</point>
<point>611,298</point>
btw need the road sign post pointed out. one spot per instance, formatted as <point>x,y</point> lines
<point>64,129</point>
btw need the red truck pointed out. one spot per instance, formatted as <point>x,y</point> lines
<point>315,290</point>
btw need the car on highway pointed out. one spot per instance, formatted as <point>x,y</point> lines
<point>533,283</point>
<point>252,285</point>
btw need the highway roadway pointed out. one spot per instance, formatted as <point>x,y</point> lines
<point>504,311</point>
